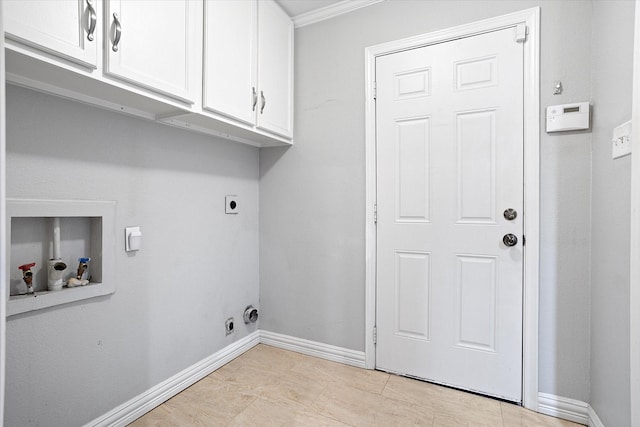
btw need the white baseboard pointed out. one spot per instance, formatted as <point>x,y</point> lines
<point>314,348</point>
<point>556,406</point>
<point>568,409</point>
<point>143,403</point>
<point>594,420</point>
<point>563,407</point>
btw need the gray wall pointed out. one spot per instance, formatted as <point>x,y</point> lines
<point>70,364</point>
<point>312,195</point>
<point>613,26</point>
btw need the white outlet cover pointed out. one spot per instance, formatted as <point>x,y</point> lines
<point>231,205</point>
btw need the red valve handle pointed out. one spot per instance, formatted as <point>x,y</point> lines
<point>26,267</point>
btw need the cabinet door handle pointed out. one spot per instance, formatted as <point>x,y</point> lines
<point>255,98</point>
<point>92,20</point>
<point>118,33</point>
<point>264,102</point>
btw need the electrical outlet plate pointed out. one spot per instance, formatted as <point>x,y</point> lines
<point>231,205</point>
<point>621,142</point>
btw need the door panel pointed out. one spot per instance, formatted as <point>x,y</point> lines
<point>475,302</point>
<point>449,162</point>
<point>476,73</point>
<point>412,291</point>
<point>476,150</point>
<point>412,185</point>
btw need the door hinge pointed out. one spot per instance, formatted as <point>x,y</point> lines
<point>521,32</point>
<point>375,335</point>
<point>375,90</point>
<point>524,240</point>
<point>375,213</point>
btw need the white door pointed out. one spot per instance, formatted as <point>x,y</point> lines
<point>275,69</point>
<point>62,28</point>
<point>230,53</point>
<point>449,164</point>
<point>154,45</point>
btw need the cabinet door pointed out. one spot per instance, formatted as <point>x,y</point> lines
<point>153,44</point>
<point>230,37</point>
<point>62,28</point>
<point>275,69</point>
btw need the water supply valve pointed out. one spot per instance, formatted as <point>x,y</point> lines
<point>27,276</point>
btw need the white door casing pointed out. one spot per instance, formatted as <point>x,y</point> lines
<point>3,215</point>
<point>634,280</point>
<point>449,150</point>
<point>527,20</point>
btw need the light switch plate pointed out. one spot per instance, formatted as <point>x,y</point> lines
<point>621,142</point>
<point>231,205</point>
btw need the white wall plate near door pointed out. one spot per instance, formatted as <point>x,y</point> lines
<point>621,142</point>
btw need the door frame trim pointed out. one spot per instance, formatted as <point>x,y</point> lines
<point>4,264</point>
<point>531,18</point>
<point>634,250</point>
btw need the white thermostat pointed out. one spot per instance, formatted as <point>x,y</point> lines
<point>568,117</point>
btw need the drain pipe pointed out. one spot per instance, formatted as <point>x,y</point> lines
<point>55,229</point>
<point>55,265</point>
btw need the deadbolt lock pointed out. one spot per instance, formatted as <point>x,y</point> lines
<point>510,214</point>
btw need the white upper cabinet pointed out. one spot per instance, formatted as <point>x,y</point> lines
<point>248,63</point>
<point>65,29</point>
<point>221,67</point>
<point>154,44</point>
<point>230,52</point>
<point>275,69</point>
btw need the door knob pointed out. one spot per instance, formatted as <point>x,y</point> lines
<point>510,214</point>
<point>510,239</point>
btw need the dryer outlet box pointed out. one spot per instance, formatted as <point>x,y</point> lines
<point>231,204</point>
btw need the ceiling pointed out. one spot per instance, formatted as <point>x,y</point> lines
<point>298,7</point>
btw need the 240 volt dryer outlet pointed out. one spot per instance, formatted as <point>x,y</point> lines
<point>231,205</point>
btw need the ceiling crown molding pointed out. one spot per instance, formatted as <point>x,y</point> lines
<point>330,11</point>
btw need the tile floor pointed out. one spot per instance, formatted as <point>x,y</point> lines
<point>267,386</point>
